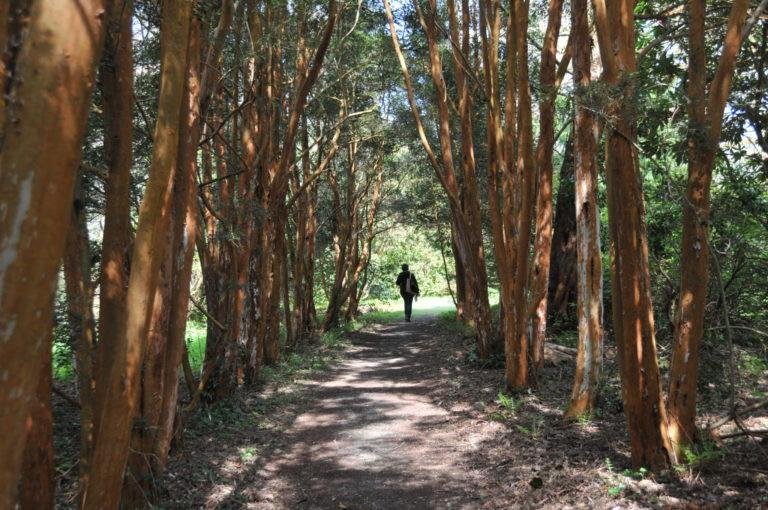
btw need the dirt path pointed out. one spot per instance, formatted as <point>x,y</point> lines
<point>401,421</point>
<point>375,434</point>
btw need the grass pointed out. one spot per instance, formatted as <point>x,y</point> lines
<point>380,312</point>
<point>753,365</point>
<point>385,312</point>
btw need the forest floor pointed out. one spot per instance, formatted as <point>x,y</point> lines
<point>400,416</point>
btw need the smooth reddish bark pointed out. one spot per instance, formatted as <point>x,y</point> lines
<point>706,112</point>
<point>630,277</point>
<point>119,407</point>
<point>52,78</point>
<point>36,490</point>
<point>542,246</point>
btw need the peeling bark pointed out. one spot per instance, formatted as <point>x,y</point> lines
<point>589,267</point>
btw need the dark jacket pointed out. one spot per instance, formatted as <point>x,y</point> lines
<point>402,278</point>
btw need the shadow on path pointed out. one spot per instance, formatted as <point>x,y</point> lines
<point>373,434</point>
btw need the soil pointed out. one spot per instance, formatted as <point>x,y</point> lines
<point>404,419</point>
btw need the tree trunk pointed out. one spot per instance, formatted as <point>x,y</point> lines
<point>517,356</point>
<point>589,267</point>
<point>52,78</point>
<point>469,240</point>
<point>119,407</point>
<point>77,271</point>
<point>116,75</point>
<point>705,118</point>
<point>630,279</point>
<point>543,241</point>
<point>498,163</point>
<point>36,490</point>
<point>562,278</point>
<point>462,302</point>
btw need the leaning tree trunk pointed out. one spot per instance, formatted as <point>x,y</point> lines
<point>589,266</point>
<point>469,239</point>
<point>52,79</point>
<point>630,278</point>
<point>116,415</point>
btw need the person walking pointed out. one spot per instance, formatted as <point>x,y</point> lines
<point>409,288</point>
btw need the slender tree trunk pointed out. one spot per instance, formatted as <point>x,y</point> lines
<point>562,278</point>
<point>52,78</point>
<point>589,267</point>
<point>469,192</point>
<point>461,282</point>
<point>116,79</point>
<point>468,239</point>
<point>116,415</point>
<point>705,114</point>
<point>5,21</point>
<point>186,231</point>
<point>543,241</point>
<point>517,373</point>
<point>498,164</point>
<point>81,322</point>
<point>630,278</point>
<point>299,246</point>
<point>116,75</point>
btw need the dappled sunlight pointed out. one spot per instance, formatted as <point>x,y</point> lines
<point>402,421</point>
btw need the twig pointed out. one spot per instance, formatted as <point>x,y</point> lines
<point>728,335</point>
<point>219,179</point>
<point>756,433</point>
<point>224,121</point>
<point>205,312</point>
<point>149,127</point>
<point>753,407</point>
<point>749,434</point>
<point>745,328</point>
<point>753,19</point>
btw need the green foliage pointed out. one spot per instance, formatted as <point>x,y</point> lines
<point>509,407</point>
<point>63,368</point>
<point>248,453</point>
<point>753,365</point>
<point>195,338</point>
<point>617,482</point>
<point>585,419</point>
<point>616,490</point>
<point>406,245</point>
<point>700,454</point>
<point>636,474</point>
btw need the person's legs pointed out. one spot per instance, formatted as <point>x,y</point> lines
<point>408,306</point>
